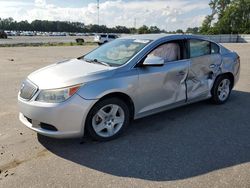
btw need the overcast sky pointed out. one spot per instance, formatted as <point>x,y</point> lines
<point>166,14</point>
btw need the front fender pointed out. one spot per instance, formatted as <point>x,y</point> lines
<point>125,82</point>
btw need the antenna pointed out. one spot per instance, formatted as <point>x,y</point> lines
<point>98,7</point>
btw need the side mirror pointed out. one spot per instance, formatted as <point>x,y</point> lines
<point>153,61</point>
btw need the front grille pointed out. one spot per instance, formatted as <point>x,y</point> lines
<point>28,90</point>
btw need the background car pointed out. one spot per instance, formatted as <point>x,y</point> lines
<point>103,38</point>
<point>3,35</point>
<point>128,78</point>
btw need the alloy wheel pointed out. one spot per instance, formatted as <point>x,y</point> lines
<point>108,120</point>
<point>224,89</point>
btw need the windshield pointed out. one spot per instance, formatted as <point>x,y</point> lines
<point>117,52</point>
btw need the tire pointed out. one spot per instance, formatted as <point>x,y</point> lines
<point>108,119</point>
<point>221,89</point>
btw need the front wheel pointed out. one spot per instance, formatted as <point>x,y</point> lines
<point>107,119</point>
<point>221,90</point>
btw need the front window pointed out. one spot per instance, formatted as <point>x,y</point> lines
<point>168,52</point>
<point>117,52</point>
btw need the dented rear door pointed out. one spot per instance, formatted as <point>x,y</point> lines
<point>203,68</point>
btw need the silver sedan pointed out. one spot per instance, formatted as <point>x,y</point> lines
<point>128,78</point>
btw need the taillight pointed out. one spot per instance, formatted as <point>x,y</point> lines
<point>238,59</point>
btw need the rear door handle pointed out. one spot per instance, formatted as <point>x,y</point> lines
<point>212,66</point>
<point>181,73</point>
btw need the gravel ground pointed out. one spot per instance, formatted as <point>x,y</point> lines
<point>200,145</point>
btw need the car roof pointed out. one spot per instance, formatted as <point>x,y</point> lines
<point>154,37</point>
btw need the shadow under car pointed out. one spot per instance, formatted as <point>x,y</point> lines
<point>172,145</point>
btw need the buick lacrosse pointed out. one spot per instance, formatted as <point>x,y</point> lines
<point>131,77</point>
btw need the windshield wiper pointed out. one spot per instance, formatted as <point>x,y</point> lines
<point>96,61</point>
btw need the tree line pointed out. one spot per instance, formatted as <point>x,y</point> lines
<point>77,27</point>
<point>66,26</point>
<point>227,17</point>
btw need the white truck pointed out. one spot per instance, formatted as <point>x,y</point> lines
<point>103,38</point>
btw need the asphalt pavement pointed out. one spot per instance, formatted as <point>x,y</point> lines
<point>199,145</point>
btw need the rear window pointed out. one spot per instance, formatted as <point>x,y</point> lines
<point>214,48</point>
<point>104,36</point>
<point>199,48</point>
<point>202,47</point>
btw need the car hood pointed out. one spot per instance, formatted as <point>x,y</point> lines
<point>68,73</point>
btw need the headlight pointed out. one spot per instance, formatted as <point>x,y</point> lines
<point>57,95</point>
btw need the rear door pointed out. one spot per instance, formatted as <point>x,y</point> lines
<point>205,62</point>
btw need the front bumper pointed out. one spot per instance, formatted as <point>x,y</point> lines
<point>67,117</point>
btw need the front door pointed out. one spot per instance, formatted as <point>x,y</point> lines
<point>160,87</point>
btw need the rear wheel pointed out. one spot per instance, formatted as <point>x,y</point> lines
<point>221,89</point>
<point>107,119</point>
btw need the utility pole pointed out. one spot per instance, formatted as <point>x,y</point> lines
<point>134,22</point>
<point>98,7</point>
